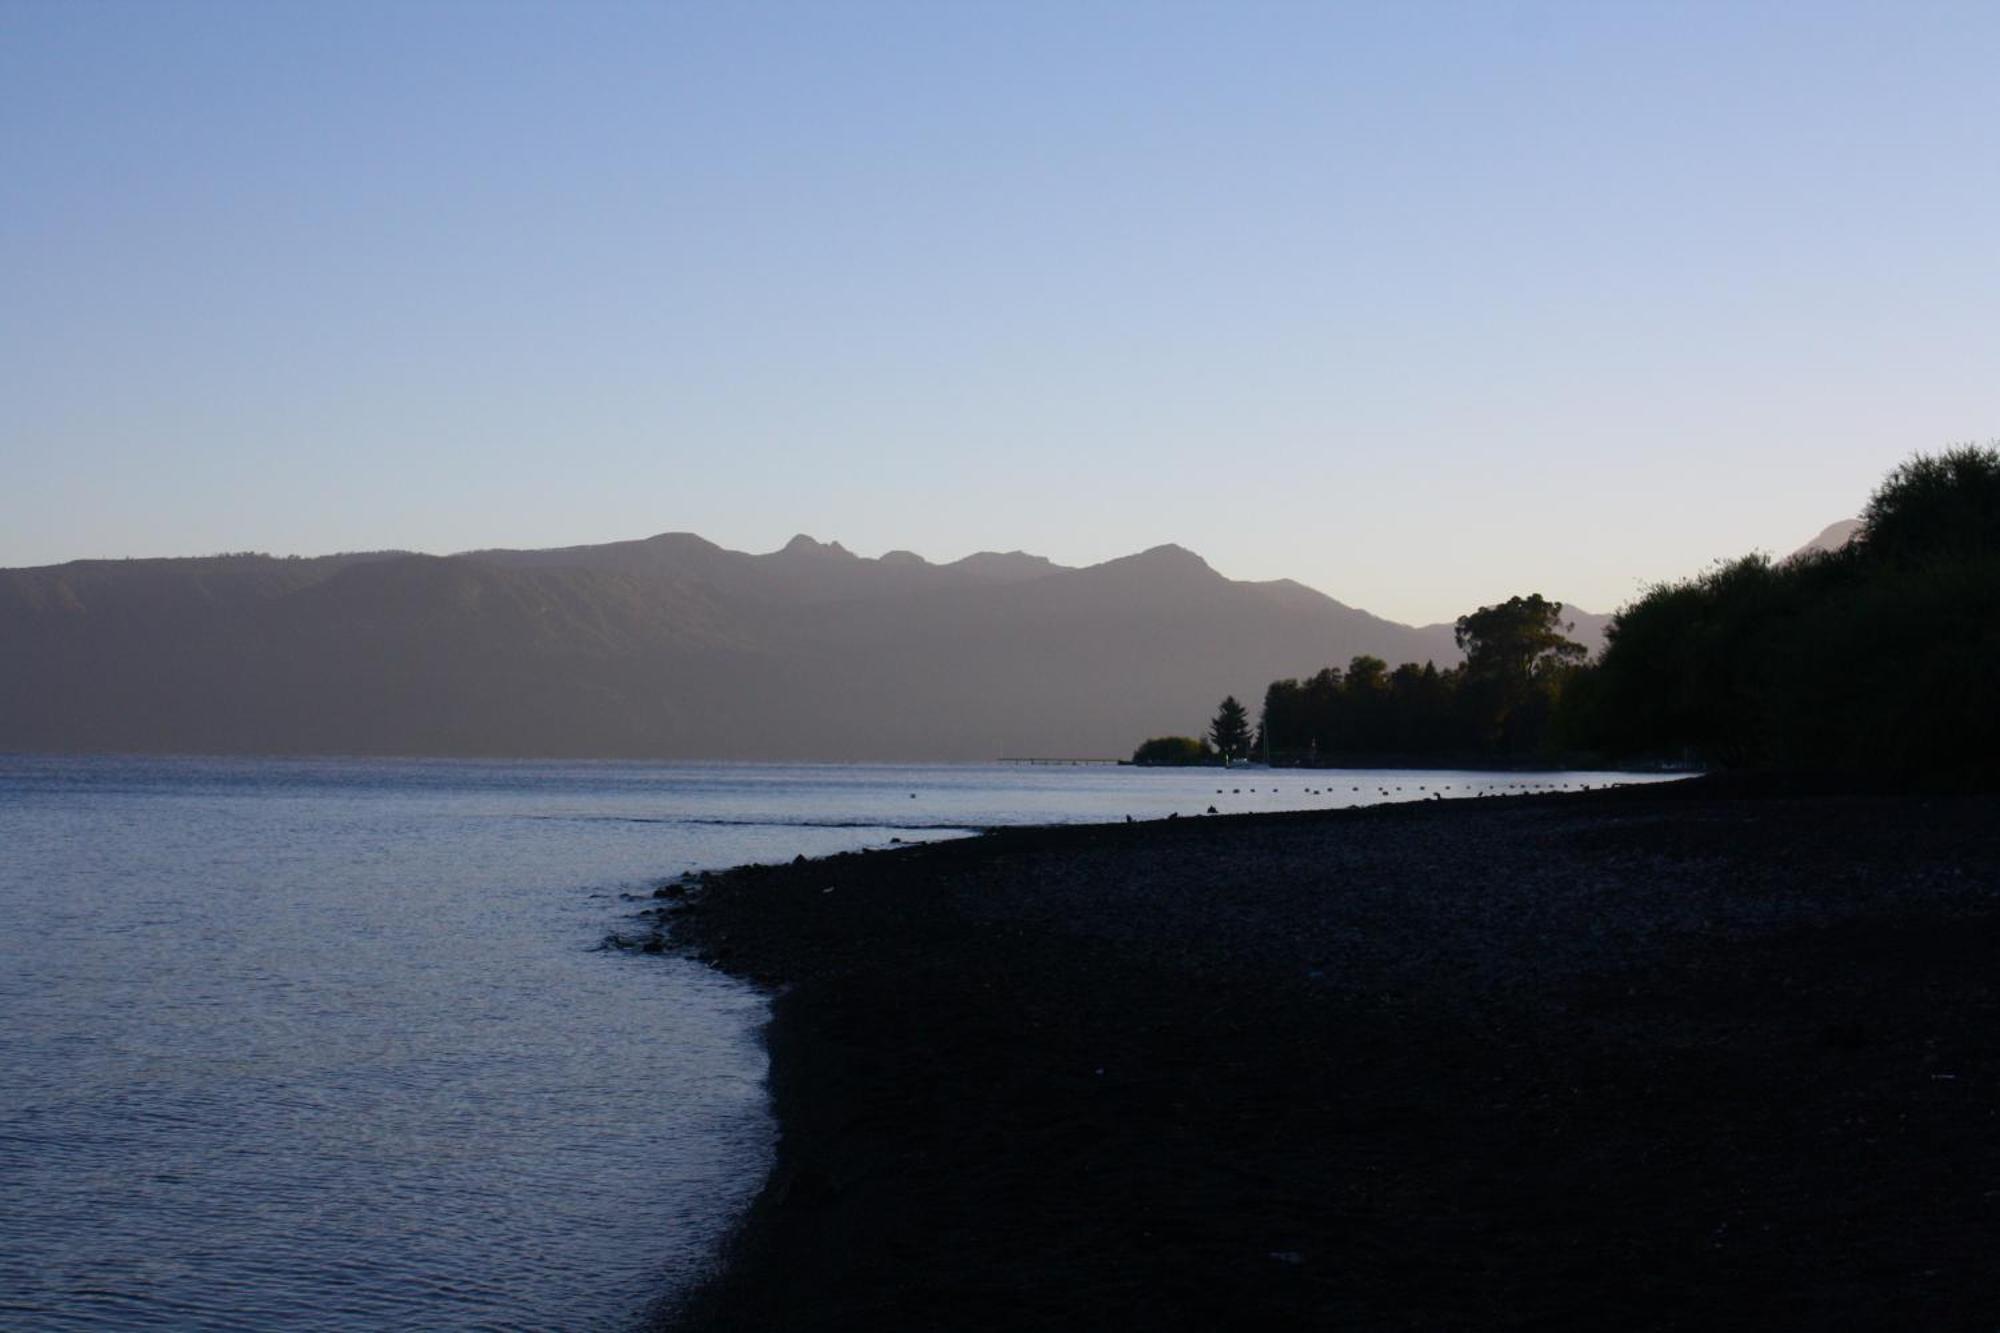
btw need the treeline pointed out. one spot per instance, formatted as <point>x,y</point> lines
<point>1502,704</point>
<point>1881,657</point>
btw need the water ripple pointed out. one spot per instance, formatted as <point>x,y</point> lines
<point>349,1063</point>
<point>324,1044</point>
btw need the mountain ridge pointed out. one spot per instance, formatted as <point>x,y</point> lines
<point>668,646</point>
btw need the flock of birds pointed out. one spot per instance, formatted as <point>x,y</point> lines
<point>1392,790</point>
<point>1387,792</point>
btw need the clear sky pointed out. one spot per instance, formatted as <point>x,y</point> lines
<point>1422,304</point>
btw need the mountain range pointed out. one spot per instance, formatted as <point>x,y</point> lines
<point>668,647</point>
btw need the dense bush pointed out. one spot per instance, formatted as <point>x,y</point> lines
<point>1164,750</point>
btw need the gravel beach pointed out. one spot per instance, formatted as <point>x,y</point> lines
<point>1686,1056</point>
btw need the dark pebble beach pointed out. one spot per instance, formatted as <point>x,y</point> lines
<point>1690,1056</point>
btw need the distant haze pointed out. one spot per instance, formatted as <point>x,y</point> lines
<point>669,647</point>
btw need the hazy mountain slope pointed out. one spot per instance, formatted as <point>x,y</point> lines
<point>1081,662</point>
<point>141,654</point>
<point>668,647</point>
<point>1832,537</point>
<point>411,654</point>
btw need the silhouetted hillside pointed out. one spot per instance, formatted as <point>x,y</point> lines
<point>670,647</point>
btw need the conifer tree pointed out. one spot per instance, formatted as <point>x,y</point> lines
<point>1230,731</point>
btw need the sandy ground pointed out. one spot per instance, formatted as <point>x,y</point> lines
<point>1681,1057</point>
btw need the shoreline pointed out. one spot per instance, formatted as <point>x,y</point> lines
<point>1688,1055</point>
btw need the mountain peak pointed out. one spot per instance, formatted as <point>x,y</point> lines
<point>1158,567</point>
<point>804,545</point>
<point>676,541</point>
<point>1169,555</point>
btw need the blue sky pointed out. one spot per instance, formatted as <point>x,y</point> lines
<point>1420,304</point>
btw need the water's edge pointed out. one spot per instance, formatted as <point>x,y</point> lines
<point>310,1107</point>
<point>1744,876</point>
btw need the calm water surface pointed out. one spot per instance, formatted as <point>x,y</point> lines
<point>331,1043</point>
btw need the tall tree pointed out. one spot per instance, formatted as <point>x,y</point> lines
<point>1519,640</point>
<point>1230,731</point>
<point>1517,655</point>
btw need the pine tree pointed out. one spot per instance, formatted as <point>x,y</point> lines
<point>1231,729</point>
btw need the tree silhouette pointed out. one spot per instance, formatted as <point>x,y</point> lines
<point>1518,640</point>
<point>1173,751</point>
<point>1875,658</point>
<point>1230,731</point>
<point>1517,655</point>
<point>1937,506</point>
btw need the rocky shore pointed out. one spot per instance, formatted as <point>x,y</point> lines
<point>1685,1056</point>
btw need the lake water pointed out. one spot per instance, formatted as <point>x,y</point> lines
<point>325,1044</point>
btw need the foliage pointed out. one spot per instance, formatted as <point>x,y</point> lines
<point>1520,639</point>
<point>1945,506</point>
<point>1518,656</point>
<point>1498,706</point>
<point>1877,657</point>
<point>1230,731</point>
<point>1163,751</point>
